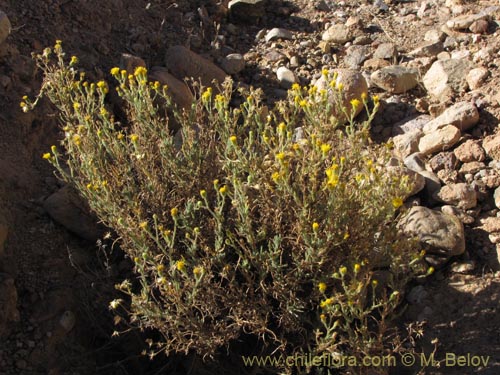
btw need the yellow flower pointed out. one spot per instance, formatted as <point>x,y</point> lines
<point>325,72</point>
<point>73,61</point>
<point>174,212</point>
<point>220,99</point>
<point>374,283</point>
<point>140,71</point>
<point>46,156</point>
<point>76,139</point>
<point>397,202</point>
<point>207,94</point>
<point>203,193</point>
<point>115,71</point>
<point>134,138</point>
<point>315,226</point>
<point>322,317</point>
<point>160,268</point>
<point>313,90</point>
<point>280,156</point>
<point>332,176</point>
<point>296,87</point>
<point>295,147</point>
<point>346,235</point>
<point>53,149</point>
<point>281,127</point>
<point>275,176</point>
<point>223,189</point>
<point>375,99</point>
<point>430,270</point>
<point>357,268</point>
<point>103,111</point>
<point>303,103</point>
<point>101,84</point>
<point>76,106</point>
<point>143,224</point>
<point>340,86</point>
<point>322,287</point>
<point>197,271</point>
<point>233,139</point>
<point>120,136</point>
<point>325,148</point>
<point>180,265</point>
<point>343,270</point>
<point>364,96</point>
<point>355,103</point>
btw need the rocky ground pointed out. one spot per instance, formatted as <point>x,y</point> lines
<point>434,65</point>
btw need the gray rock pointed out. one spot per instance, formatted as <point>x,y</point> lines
<point>434,36</point>
<point>459,194</point>
<point>428,49</point>
<point>415,123</point>
<point>463,115</point>
<point>407,143</point>
<point>356,55</point>
<point>233,63</point>
<point>395,79</point>
<point>68,209</point>
<point>385,51</point>
<point>354,85</point>
<point>338,34</point>
<point>443,160</point>
<point>476,77</point>
<point>415,162</point>
<point>278,33</point>
<point>246,10</point>
<point>439,140</point>
<point>448,176</point>
<point>432,186</point>
<point>5,27</point>
<point>441,234</point>
<point>446,78</point>
<point>286,77</point>
<point>183,63</point>
<point>416,181</point>
<point>470,151</point>
<point>464,21</point>
<point>177,89</point>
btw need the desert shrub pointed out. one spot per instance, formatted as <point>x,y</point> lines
<point>272,223</point>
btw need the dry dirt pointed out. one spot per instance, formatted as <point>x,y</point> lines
<point>55,271</point>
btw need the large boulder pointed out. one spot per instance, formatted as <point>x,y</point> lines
<point>442,235</point>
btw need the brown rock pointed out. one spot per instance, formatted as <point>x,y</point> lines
<point>491,145</point>
<point>479,27</point>
<point>183,63</point>
<point>460,195</point>
<point>178,90</point>
<point>354,85</point>
<point>469,151</point>
<point>438,140</point>
<point>130,62</point>
<point>70,210</point>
